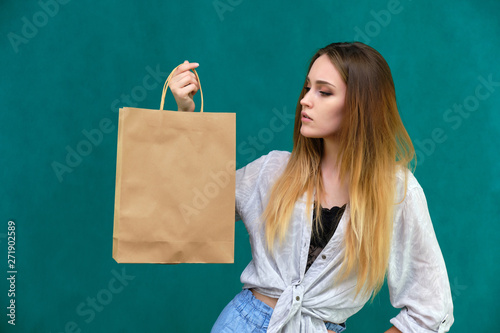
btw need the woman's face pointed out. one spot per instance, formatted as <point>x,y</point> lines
<point>323,103</point>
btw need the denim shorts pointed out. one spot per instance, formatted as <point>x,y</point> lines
<point>246,314</point>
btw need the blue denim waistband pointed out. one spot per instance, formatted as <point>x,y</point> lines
<point>259,313</point>
<point>252,309</point>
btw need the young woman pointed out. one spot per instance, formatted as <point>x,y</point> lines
<point>330,220</point>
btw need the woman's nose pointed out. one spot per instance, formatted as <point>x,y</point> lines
<point>305,101</point>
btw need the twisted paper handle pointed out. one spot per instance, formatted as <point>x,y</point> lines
<point>165,88</point>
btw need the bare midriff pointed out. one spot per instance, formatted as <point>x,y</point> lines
<point>265,299</point>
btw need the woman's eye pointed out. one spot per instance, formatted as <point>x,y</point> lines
<point>323,93</point>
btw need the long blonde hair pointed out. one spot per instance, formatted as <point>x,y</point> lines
<point>373,143</point>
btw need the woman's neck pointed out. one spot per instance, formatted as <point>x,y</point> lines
<point>335,191</point>
<point>330,155</point>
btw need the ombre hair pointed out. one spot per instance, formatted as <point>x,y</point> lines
<point>373,144</point>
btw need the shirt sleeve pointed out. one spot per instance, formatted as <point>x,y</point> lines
<point>417,277</point>
<point>261,171</point>
<point>246,182</point>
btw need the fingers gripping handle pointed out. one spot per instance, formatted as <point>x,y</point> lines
<point>165,88</point>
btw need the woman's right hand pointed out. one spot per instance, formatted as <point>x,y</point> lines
<point>184,86</point>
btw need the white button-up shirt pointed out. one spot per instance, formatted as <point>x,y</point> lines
<point>417,278</point>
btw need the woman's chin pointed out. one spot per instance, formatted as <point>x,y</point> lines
<point>308,134</point>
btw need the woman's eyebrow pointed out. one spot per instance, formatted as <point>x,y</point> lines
<point>321,82</point>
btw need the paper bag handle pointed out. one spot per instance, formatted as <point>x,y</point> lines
<point>165,88</point>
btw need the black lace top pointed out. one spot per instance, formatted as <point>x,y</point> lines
<point>329,219</point>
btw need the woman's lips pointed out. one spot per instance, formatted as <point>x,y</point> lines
<point>305,117</point>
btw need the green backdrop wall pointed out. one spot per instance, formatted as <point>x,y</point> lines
<point>68,65</point>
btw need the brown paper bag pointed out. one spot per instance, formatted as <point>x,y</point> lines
<point>174,198</point>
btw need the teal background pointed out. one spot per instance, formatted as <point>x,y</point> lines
<point>88,56</point>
